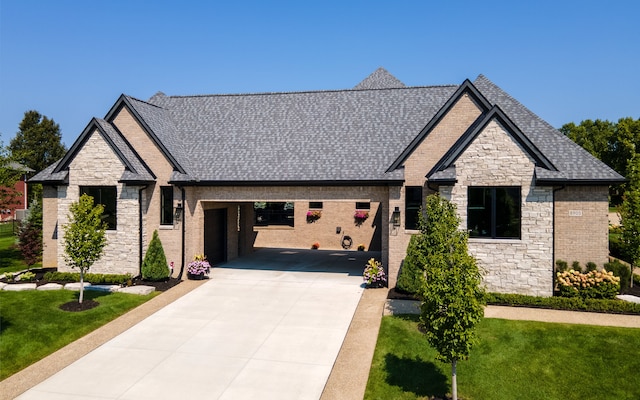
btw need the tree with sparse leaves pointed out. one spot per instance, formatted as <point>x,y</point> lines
<point>453,297</point>
<point>84,236</point>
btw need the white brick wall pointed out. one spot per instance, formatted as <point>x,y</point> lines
<point>97,165</point>
<point>522,266</point>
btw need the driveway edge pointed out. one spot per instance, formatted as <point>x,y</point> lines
<point>36,373</point>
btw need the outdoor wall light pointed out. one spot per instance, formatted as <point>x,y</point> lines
<point>178,213</point>
<point>395,217</point>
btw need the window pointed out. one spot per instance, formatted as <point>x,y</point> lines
<point>363,205</point>
<point>276,213</point>
<point>166,205</point>
<point>413,203</point>
<point>315,205</point>
<point>105,195</point>
<point>494,212</point>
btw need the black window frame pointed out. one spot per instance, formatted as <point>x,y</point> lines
<point>494,212</point>
<point>166,205</point>
<point>103,195</point>
<point>315,205</point>
<point>412,207</point>
<point>363,205</point>
<point>274,213</point>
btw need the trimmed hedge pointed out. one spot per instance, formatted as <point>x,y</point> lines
<point>564,303</point>
<point>94,279</point>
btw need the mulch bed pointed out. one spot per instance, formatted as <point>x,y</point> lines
<point>87,304</point>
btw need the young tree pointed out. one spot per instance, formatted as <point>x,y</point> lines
<point>30,235</point>
<point>630,215</point>
<point>84,236</point>
<point>453,298</point>
<point>154,266</point>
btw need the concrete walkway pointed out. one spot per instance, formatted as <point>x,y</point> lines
<point>269,326</point>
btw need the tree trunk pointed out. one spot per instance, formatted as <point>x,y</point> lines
<point>454,381</point>
<point>81,285</point>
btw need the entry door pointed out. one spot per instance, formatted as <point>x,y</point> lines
<point>215,235</point>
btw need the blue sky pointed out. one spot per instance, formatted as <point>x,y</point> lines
<point>70,60</point>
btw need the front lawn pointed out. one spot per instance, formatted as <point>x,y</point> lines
<point>10,257</point>
<point>513,360</point>
<point>33,326</point>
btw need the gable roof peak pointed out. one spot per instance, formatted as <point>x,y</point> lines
<point>158,96</point>
<point>380,79</point>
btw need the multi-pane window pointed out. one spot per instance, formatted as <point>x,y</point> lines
<point>413,203</point>
<point>273,213</point>
<point>494,212</point>
<point>107,196</point>
<point>166,205</point>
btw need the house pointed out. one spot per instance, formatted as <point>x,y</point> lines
<point>224,174</point>
<point>17,196</point>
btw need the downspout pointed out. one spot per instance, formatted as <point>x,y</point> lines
<point>184,222</point>
<point>140,226</point>
<point>553,222</point>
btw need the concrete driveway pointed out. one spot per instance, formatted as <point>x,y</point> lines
<point>266,326</point>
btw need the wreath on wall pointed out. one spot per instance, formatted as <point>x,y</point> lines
<point>347,242</point>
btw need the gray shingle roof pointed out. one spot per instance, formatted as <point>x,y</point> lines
<point>348,135</point>
<point>362,134</point>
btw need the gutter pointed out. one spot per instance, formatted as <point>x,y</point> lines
<point>140,227</point>
<point>184,222</point>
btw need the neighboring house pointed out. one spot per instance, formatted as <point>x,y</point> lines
<point>18,208</point>
<point>224,174</point>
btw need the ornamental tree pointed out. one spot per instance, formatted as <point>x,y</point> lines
<point>154,266</point>
<point>453,298</point>
<point>84,236</point>
<point>30,235</point>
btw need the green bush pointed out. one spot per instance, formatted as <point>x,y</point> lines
<point>576,266</point>
<point>591,266</point>
<point>564,303</point>
<point>154,266</point>
<point>561,266</point>
<point>411,277</point>
<point>94,279</point>
<point>621,271</point>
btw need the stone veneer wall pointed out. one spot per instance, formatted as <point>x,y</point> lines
<point>581,224</point>
<point>97,165</point>
<point>523,266</point>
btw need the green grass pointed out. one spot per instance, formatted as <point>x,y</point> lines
<point>513,360</point>
<point>32,326</point>
<point>10,257</point>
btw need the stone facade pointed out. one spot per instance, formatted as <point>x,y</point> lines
<point>522,265</point>
<point>98,165</point>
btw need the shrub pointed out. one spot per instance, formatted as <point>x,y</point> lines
<point>94,279</point>
<point>561,266</point>
<point>576,266</point>
<point>154,266</point>
<point>621,271</point>
<point>590,285</point>
<point>564,303</point>
<point>591,266</point>
<point>30,235</point>
<point>411,277</point>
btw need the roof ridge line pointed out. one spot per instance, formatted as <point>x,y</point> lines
<point>306,91</point>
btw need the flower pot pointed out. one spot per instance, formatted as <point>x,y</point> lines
<point>195,277</point>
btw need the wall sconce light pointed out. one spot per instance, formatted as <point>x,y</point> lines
<point>178,213</point>
<point>395,217</point>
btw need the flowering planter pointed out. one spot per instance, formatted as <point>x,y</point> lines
<point>195,277</point>
<point>373,285</point>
